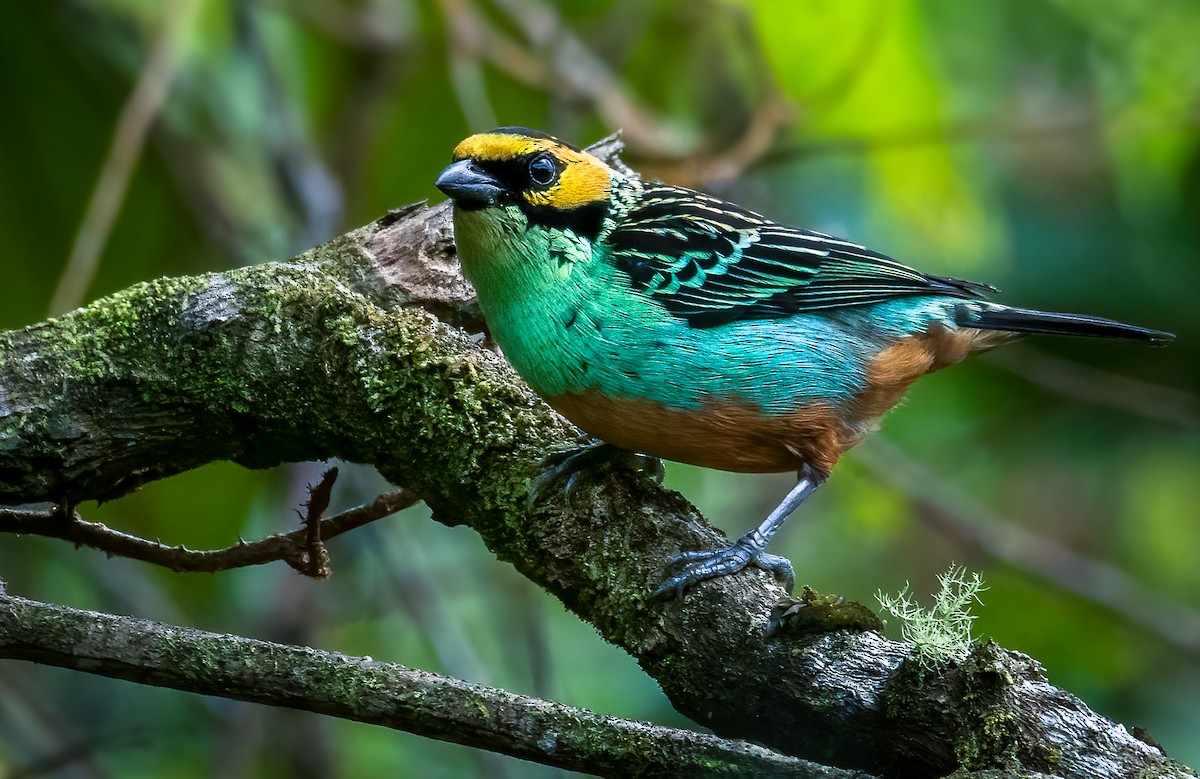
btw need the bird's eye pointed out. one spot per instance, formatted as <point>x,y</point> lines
<point>542,170</point>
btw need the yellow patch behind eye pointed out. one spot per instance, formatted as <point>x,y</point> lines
<point>585,179</point>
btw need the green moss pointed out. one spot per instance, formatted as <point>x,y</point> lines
<point>977,702</point>
<point>987,730</point>
<point>816,613</point>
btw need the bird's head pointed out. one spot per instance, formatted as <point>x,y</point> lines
<point>516,172</point>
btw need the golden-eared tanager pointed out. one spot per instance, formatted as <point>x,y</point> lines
<point>667,322</point>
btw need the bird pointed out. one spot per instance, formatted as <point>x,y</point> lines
<point>670,323</point>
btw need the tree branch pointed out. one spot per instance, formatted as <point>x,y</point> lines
<point>361,689</point>
<point>354,350</point>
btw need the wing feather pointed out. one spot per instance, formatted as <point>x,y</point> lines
<point>712,262</point>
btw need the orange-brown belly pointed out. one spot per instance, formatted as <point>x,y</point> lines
<point>734,435</point>
<point>724,435</point>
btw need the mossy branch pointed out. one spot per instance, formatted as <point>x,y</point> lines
<point>387,694</point>
<point>368,349</point>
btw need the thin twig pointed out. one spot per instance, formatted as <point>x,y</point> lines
<point>129,138</point>
<point>964,521</point>
<point>316,556</point>
<point>292,547</point>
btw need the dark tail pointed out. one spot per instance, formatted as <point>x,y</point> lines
<point>1024,320</point>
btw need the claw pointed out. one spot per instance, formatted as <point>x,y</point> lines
<point>574,462</point>
<point>649,466</point>
<point>709,564</point>
<point>563,464</point>
<point>781,567</point>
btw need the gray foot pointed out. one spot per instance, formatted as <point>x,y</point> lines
<point>706,564</point>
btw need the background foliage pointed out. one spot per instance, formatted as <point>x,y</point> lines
<point>1047,146</point>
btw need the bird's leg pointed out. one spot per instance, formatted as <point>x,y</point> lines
<point>571,463</point>
<point>747,550</point>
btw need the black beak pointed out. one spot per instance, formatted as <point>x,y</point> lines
<point>468,186</point>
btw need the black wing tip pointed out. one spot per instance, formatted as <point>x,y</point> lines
<point>1159,337</point>
<point>1023,320</point>
<point>1145,334</point>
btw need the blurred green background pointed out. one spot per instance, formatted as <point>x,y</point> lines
<point>1047,146</point>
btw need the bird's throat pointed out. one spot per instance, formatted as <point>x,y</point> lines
<point>540,293</point>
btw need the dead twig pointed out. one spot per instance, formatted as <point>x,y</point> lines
<point>295,548</point>
<point>315,560</point>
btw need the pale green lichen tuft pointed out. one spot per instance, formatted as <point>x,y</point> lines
<point>942,632</point>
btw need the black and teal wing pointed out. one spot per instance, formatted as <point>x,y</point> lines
<point>712,262</point>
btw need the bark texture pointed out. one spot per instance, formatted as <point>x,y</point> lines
<point>368,348</point>
<point>387,694</point>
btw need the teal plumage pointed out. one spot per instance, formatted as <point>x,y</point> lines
<point>672,323</point>
<point>572,325</point>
